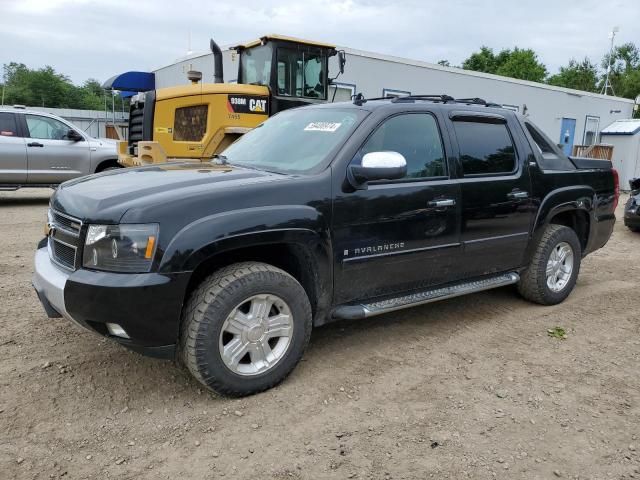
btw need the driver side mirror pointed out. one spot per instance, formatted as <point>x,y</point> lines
<point>74,136</point>
<point>377,166</point>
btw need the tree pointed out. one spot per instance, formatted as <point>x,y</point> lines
<point>625,70</point>
<point>578,75</point>
<point>522,64</point>
<point>517,63</point>
<point>45,87</point>
<point>482,61</point>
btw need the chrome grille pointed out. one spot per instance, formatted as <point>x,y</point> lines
<point>64,239</point>
<point>63,254</point>
<point>66,222</point>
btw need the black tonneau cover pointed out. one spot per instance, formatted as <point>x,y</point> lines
<point>584,163</point>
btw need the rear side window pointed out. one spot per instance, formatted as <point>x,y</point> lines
<point>485,148</point>
<point>417,138</point>
<point>8,125</point>
<point>190,123</point>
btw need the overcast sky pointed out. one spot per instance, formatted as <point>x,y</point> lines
<point>97,39</point>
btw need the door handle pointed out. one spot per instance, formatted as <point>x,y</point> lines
<point>518,195</point>
<point>444,202</point>
<point>35,144</point>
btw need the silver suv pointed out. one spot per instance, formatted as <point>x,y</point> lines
<point>41,150</point>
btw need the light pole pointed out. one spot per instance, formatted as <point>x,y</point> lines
<point>607,85</point>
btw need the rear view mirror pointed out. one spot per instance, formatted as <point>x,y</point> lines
<point>377,166</point>
<point>74,136</point>
<point>342,59</point>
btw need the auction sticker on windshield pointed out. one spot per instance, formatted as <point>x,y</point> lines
<point>322,127</point>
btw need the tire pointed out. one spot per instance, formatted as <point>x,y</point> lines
<point>634,229</point>
<point>108,165</point>
<point>229,312</point>
<point>534,282</point>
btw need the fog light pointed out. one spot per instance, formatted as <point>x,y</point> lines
<point>116,330</point>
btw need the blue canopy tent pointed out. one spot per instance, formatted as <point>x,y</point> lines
<point>126,85</point>
<point>131,82</point>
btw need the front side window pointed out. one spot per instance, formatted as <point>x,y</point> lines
<point>485,148</point>
<point>8,125</point>
<point>255,65</point>
<point>46,128</point>
<point>299,141</point>
<point>190,123</point>
<point>301,74</point>
<point>417,138</point>
<point>314,72</point>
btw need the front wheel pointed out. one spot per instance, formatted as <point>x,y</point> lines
<point>245,328</point>
<point>554,267</point>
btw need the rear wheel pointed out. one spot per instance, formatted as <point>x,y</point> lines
<point>554,267</point>
<point>245,328</point>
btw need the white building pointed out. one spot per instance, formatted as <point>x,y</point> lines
<point>624,135</point>
<point>567,116</point>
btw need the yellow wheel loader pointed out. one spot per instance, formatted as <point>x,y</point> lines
<point>194,122</point>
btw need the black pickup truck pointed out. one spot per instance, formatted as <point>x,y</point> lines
<point>337,211</point>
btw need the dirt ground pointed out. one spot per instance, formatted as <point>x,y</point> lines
<point>472,387</point>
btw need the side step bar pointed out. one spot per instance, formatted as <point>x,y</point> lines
<point>352,312</point>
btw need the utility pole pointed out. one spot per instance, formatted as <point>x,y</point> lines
<point>607,85</point>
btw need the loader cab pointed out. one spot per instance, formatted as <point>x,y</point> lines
<point>296,71</point>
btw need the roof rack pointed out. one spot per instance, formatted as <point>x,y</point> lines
<point>359,99</point>
<point>477,101</point>
<point>434,98</point>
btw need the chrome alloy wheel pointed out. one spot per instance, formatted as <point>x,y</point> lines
<point>559,267</point>
<point>256,334</point>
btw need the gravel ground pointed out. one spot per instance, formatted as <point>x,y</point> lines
<point>472,387</point>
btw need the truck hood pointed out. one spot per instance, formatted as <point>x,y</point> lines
<point>107,196</point>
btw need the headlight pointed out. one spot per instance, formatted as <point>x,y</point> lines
<point>125,248</point>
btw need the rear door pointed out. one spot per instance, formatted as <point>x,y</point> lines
<point>13,151</point>
<point>496,192</point>
<point>52,157</point>
<point>400,235</point>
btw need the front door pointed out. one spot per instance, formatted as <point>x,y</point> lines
<point>567,134</point>
<point>496,195</point>
<point>52,157</point>
<point>13,151</point>
<point>400,235</point>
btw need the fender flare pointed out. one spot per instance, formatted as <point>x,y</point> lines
<point>235,229</point>
<point>577,197</point>
<point>302,228</point>
<point>574,198</point>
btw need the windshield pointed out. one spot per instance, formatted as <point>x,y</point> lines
<point>295,141</point>
<point>255,65</point>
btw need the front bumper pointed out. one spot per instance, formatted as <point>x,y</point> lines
<point>147,306</point>
<point>632,221</point>
<point>632,214</point>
